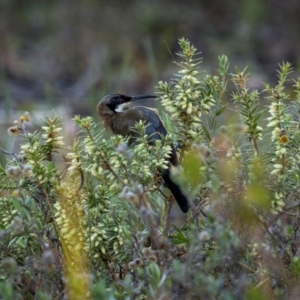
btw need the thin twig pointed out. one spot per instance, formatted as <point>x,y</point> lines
<point>169,207</point>
<point>255,145</point>
<point>11,154</point>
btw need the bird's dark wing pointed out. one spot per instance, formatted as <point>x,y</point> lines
<point>124,122</point>
<point>155,128</point>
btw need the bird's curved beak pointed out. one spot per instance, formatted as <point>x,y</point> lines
<point>139,97</point>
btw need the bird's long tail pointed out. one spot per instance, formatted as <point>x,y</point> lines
<point>176,191</point>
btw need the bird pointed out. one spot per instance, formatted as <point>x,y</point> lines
<point>117,115</point>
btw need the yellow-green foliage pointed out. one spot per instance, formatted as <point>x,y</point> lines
<point>92,220</point>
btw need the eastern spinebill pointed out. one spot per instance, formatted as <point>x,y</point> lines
<point>117,115</point>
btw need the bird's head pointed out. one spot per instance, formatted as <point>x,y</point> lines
<point>114,104</point>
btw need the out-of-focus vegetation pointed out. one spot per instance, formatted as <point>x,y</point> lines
<point>100,226</point>
<point>70,51</point>
<point>67,54</point>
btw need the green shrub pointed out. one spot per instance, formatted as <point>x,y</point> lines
<point>97,223</point>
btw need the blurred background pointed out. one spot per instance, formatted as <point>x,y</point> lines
<point>64,55</point>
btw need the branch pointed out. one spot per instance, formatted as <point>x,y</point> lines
<point>11,154</point>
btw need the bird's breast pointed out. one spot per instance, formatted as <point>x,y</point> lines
<point>125,120</point>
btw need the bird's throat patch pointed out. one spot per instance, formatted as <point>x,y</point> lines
<point>121,107</point>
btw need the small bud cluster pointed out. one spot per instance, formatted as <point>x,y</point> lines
<point>19,167</point>
<point>279,137</point>
<point>277,203</point>
<point>248,105</point>
<point>234,153</point>
<point>77,277</point>
<point>136,263</point>
<point>281,124</point>
<point>149,254</point>
<point>38,149</point>
<point>50,135</point>
<point>74,156</point>
<point>202,150</point>
<point>36,160</point>
<point>19,126</point>
<point>131,195</point>
<point>151,159</point>
<point>186,98</point>
<point>17,226</point>
<point>278,122</point>
<point>204,236</point>
<point>7,212</point>
<point>9,264</point>
<point>101,241</point>
<point>84,123</point>
<point>47,261</point>
<point>14,172</point>
<point>69,219</point>
<point>97,240</point>
<point>20,170</point>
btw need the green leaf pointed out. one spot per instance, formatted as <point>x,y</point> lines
<point>254,108</point>
<point>221,110</point>
<point>206,132</point>
<point>255,294</point>
<point>257,116</point>
<point>21,242</point>
<point>192,173</point>
<point>155,271</point>
<point>38,223</point>
<point>179,238</point>
<point>17,204</point>
<point>20,207</point>
<point>6,290</point>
